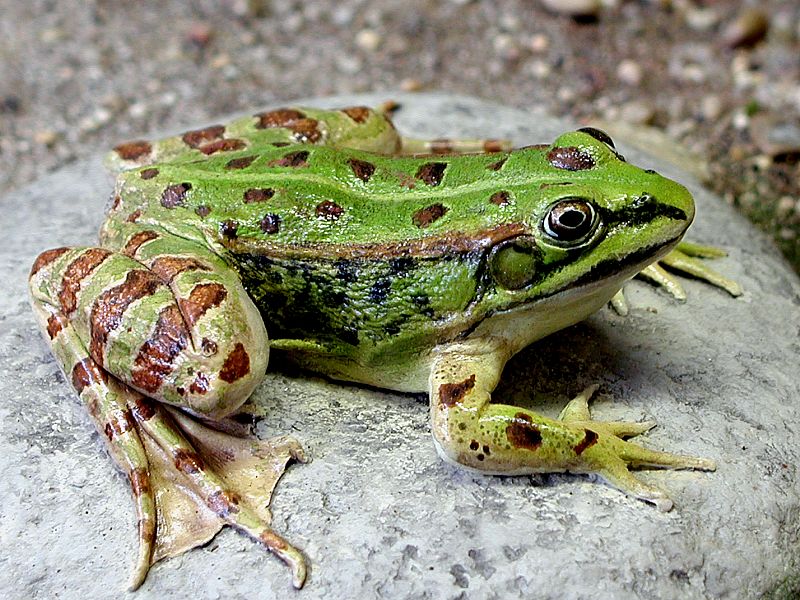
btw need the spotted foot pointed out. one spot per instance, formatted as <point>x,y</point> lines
<point>610,456</point>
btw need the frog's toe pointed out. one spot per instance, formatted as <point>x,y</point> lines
<point>577,413</point>
<point>616,474</point>
<point>668,282</point>
<point>686,260</point>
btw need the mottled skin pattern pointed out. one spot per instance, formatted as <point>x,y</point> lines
<point>416,273</point>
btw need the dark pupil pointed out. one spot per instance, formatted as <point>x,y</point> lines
<point>570,220</point>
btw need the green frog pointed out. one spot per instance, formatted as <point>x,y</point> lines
<point>369,257</point>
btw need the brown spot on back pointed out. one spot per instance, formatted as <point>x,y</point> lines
<point>140,481</point>
<point>329,210</point>
<point>282,117</point>
<point>110,306</point>
<point>500,198</point>
<point>431,173</point>
<point>425,216</point>
<point>86,372</point>
<point>258,195</point>
<point>452,393</point>
<point>306,130</point>
<point>55,324</point>
<point>134,216</point>
<point>223,503</point>
<point>148,173</point>
<point>293,159</point>
<point>227,145</point>
<point>589,440</point>
<point>203,297</point>
<point>75,273</point>
<point>169,267</point>
<point>496,166</point>
<point>199,137</point>
<point>361,168</point>
<point>133,150</point>
<point>202,211</point>
<point>229,229</point>
<point>45,258</point>
<point>359,114</point>
<point>570,158</point>
<point>522,433</point>
<point>474,445</point>
<point>175,195</point>
<point>188,461</point>
<point>493,146</point>
<point>119,422</point>
<point>271,223</point>
<point>240,163</point>
<point>136,241</point>
<point>236,365</point>
<point>157,355</point>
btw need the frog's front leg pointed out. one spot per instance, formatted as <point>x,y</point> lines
<point>498,438</point>
<point>166,318</point>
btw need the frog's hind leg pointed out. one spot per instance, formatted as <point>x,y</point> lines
<point>106,401</point>
<point>177,327</point>
<point>472,431</point>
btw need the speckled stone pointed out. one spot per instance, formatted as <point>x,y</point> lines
<point>378,514</point>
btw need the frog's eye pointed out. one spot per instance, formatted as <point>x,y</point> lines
<point>598,134</point>
<point>570,220</point>
<point>513,262</point>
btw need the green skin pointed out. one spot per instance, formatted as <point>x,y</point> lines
<point>421,273</point>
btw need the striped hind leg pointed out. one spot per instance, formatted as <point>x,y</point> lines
<point>167,319</point>
<point>107,402</point>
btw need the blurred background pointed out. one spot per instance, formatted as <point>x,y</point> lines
<point>712,83</point>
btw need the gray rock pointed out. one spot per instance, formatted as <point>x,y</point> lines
<point>377,512</point>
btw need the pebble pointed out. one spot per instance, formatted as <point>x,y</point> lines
<point>368,39</point>
<point>775,137</point>
<point>411,85</point>
<point>637,112</point>
<point>200,34</point>
<point>786,205</point>
<point>46,137</point>
<point>701,19</point>
<point>629,72</point>
<point>747,29</point>
<point>538,42</point>
<point>573,8</point>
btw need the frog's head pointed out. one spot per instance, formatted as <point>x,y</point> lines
<point>591,221</point>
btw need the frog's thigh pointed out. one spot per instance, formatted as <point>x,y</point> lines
<point>172,323</point>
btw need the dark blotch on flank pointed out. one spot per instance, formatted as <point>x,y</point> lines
<point>198,137</point>
<point>359,114</point>
<point>240,163</point>
<point>361,169</point>
<point>78,270</point>
<point>329,210</point>
<point>157,355</point>
<point>293,159</point>
<point>133,150</point>
<point>500,198</point>
<point>175,195</point>
<point>258,195</point>
<point>425,216</point>
<point>431,173</point>
<point>380,289</point>
<point>228,229</point>
<point>86,372</point>
<point>136,241</point>
<point>148,173</point>
<point>522,433</point>
<point>271,223</point>
<point>474,445</point>
<point>589,440</point>
<point>401,265</point>
<point>451,393</point>
<point>570,158</point>
<point>236,365</point>
<point>54,325</point>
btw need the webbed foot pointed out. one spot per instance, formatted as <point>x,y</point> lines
<point>610,456</point>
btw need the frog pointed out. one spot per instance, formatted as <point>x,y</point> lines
<point>366,256</point>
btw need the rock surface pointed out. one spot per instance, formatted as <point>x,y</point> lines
<point>377,512</point>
